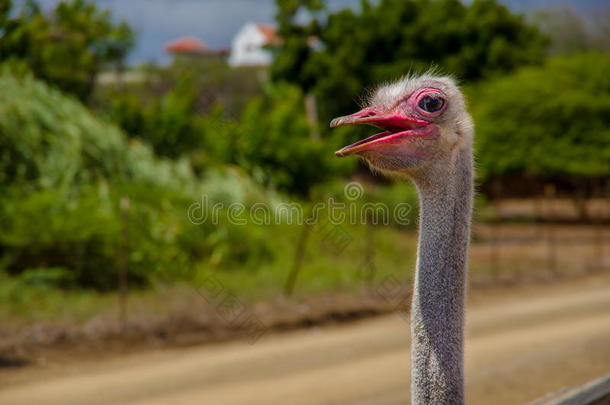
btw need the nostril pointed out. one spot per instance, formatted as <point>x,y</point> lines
<point>369,114</point>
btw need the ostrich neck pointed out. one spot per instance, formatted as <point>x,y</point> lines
<point>437,323</point>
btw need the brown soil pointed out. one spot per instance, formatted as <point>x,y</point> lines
<point>521,343</point>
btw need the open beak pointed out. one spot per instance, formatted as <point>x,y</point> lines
<point>396,126</point>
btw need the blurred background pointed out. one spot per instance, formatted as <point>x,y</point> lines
<point>123,123</point>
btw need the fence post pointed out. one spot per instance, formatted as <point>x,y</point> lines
<point>549,193</point>
<point>124,252</point>
<point>298,259</point>
<point>369,248</point>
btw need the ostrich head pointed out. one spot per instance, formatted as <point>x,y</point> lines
<point>423,119</point>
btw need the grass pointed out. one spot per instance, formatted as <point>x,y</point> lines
<point>334,262</point>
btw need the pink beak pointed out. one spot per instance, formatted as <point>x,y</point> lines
<point>396,125</point>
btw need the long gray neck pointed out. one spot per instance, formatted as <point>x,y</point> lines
<point>437,311</point>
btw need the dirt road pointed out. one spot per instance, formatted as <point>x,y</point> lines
<point>519,346</point>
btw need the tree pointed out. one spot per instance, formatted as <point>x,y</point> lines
<point>551,122</point>
<point>170,124</point>
<point>274,144</point>
<point>68,47</point>
<point>385,41</point>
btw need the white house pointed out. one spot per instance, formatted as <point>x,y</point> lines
<point>247,47</point>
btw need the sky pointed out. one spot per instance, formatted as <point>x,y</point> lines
<point>157,22</point>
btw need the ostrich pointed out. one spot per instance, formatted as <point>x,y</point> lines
<point>428,139</point>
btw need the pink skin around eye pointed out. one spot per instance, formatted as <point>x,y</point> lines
<point>431,91</point>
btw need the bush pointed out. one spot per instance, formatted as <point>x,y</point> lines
<point>170,124</point>
<point>272,140</point>
<point>549,121</point>
<point>275,144</point>
<point>64,172</point>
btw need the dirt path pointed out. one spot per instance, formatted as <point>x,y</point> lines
<point>519,347</point>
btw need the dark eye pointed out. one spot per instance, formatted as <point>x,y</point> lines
<point>431,104</point>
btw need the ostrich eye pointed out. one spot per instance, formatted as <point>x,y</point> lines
<point>431,104</point>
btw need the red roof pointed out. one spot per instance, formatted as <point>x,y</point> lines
<point>269,31</point>
<point>188,45</point>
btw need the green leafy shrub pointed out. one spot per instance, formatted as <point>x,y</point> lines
<point>49,140</point>
<point>64,173</point>
<point>67,47</point>
<point>170,124</point>
<point>548,121</point>
<point>272,140</point>
<point>275,144</point>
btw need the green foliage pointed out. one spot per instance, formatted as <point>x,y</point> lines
<point>275,144</point>
<point>272,139</point>
<point>50,229</point>
<point>50,141</point>
<point>66,48</point>
<point>395,204</point>
<point>186,109</point>
<point>169,124</point>
<point>546,121</point>
<point>387,40</point>
<point>215,82</point>
<point>64,172</point>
